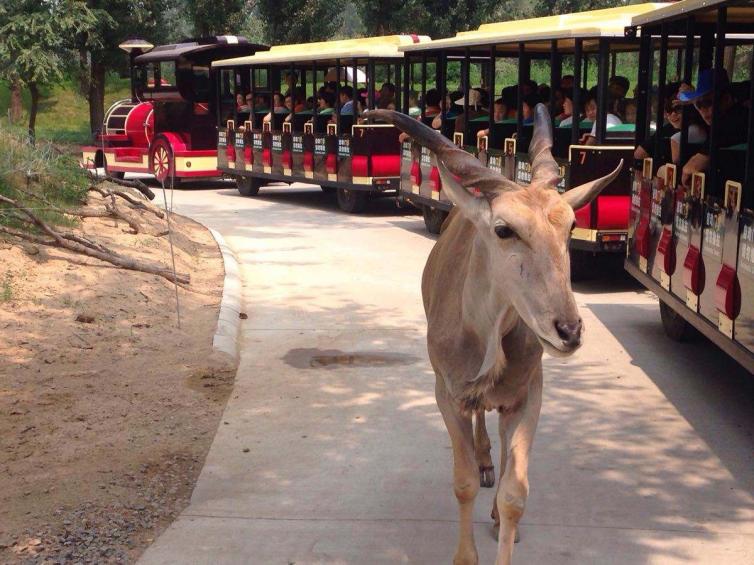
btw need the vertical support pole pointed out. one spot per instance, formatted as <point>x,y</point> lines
<point>578,56</point>
<point>678,63</point>
<point>748,187</point>
<point>252,92</point>
<point>466,81</point>
<point>406,84</point>
<point>661,79</point>
<point>585,75</point>
<point>520,91</point>
<point>602,89</point>
<point>491,88</point>
<point>424,83</point>
<point>722,21</point>
<point>442,86</point>
<point>688,72</point>
<point>613,63</point>
<point>556,63</point>
<point>337,94</point>
<point>644,108</point>
<point>370,81</point>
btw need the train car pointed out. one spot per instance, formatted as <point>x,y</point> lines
<point>327,143</point>
<point>692,219</point>
<point>167,127</point>
<point>596,37</point>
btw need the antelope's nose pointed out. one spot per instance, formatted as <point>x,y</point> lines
<point>569,332</point>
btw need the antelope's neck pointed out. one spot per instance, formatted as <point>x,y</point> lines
<point>486,309</point>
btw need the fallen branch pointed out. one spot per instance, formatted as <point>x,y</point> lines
<point>88,248</point>
<point>135,183</point>
<point>128,198</point>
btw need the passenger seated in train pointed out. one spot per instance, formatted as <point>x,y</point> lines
<point>294,102</point>
<point>386,99</point>
<point>432,103</point>
<point>527,108</point>
<point>732,128</point>
<point>325,102</point>
<point>671,128</point>
<point>618,86</point>
<point>566,82</point>
<point>241,105</point>
<point>450,108</point>
<point>291,79</point>
<point>498,115</point>
<point>413,104</point>
<point>346,100</point>
<point>565,118</point>
<point>262,103</point>
<point>590,110</point>
<point>278,106</point>
<point>475,110</point>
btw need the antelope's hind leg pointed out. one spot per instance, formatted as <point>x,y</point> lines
<point>482,448</point>
<point>465,472</point>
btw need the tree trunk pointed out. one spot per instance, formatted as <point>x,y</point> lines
<point>96,96</point>
<point>33,111</point>
<point>16,107</point>
<point>84,72</point>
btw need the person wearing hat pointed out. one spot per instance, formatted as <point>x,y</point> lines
<point>733,118</point>
<point>475,109</point>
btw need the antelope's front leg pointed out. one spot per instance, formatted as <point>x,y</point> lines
<point>465,473</point>
<point>514,484</point>
<point>482,448</point>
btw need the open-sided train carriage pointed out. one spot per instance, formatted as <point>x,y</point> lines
<point>577,39</point>
<point>325,146</point>
<point>167,127</point>
<point>691,228</point>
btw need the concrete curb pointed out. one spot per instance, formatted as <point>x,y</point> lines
<point>228,322</point>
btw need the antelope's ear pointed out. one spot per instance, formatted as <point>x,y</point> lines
<point>476,209</point>
<point>582,195</point>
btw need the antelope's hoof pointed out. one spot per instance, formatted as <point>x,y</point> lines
<point>486,476</point>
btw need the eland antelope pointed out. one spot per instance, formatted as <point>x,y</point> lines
<point>497,293</point>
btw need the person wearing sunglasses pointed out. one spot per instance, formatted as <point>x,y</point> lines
<point>733,118</point>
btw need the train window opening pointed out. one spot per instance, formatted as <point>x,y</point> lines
<point>167,74</point>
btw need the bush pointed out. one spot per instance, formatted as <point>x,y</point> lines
<point>39,176</point>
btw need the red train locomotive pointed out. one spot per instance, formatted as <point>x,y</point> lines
<point>167,127</point>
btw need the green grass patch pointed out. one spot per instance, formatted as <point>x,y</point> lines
<point>63,112</point>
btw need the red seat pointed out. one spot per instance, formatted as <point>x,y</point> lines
<point>386,165</point>
<point>360,166</point>
<point>612,213</point>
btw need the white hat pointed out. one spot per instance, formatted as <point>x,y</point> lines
<point>475,98</point>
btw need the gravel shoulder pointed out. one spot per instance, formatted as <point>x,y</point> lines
<point>107,408</point>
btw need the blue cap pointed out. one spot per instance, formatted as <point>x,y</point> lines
<point>705,86</point>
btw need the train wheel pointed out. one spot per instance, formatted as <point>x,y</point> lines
<point>676,328</point>
<point>163,164</point>
<point>352,201</point>
<point>248,186</point>
<point>433,218</point>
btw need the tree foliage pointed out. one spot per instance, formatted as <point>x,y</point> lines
<point>286,21</point>
<point>216,17</point>
<point>33,36</point>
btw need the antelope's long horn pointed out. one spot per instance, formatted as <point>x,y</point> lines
<point>544,168</point>
<point>583,194</point>
<point>468,169</point>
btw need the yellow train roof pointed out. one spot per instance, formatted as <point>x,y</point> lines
<point>704,11</point>
<point>608,22</point>
<point>381,47</point>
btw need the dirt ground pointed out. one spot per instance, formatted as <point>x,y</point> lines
<point>107,408</point>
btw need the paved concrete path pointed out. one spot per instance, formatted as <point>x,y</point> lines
<point>331,448</point>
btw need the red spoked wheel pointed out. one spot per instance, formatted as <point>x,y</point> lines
<point>162,162</point>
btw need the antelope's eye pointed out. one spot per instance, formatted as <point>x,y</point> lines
<point>504,232</point>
